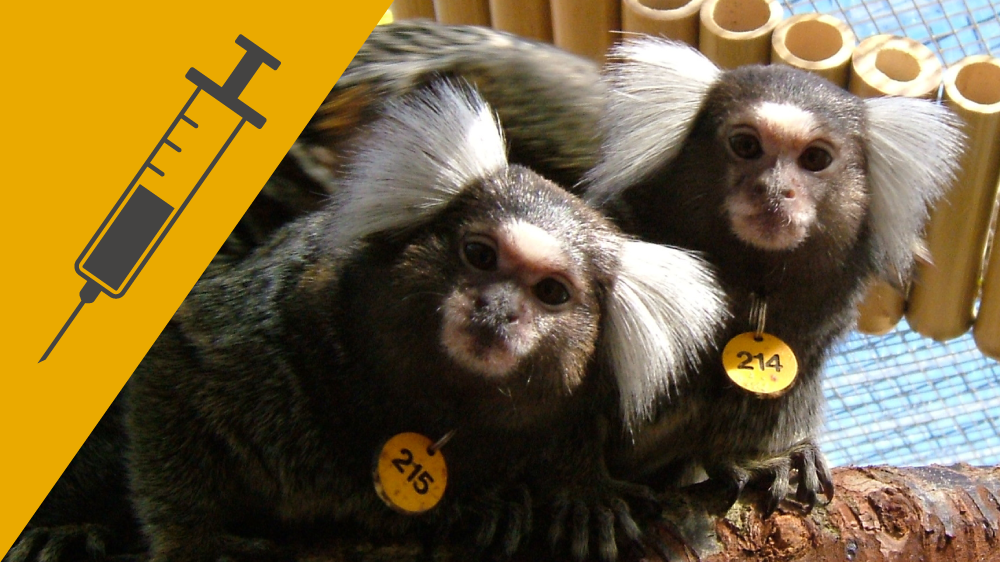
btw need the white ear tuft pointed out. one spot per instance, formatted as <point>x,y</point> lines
<point>663,311</point>
<point>416,158</point>
<point>913,151</point>
<point>657,88</point>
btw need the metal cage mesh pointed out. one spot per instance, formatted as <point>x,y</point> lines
<point>903,399</point>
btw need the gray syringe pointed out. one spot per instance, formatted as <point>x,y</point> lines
<point>140,219</point>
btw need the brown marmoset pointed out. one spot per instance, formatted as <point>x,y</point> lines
<point>797,192</point>
<point>443,291</point>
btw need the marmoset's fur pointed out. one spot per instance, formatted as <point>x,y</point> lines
<point>549,103</point>
<point>442,290</point>
<point>798,192</point>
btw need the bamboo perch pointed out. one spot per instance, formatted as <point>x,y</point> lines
<point>471,12</point>
<point>673,19</point>
<point>738,32</point>
<point>986,329</point>
<point>586,28</point>
<point>412,9</point>
<point>885,65</point>
<point>944,293</point>
<point>819,43</point>
<point>973,88</point>
<point>527,18</point>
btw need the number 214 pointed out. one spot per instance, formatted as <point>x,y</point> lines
<point>774,362</point>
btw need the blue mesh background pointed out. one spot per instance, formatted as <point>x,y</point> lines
<point>903,399</point>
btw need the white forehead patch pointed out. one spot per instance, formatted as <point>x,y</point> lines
<point>533,247</point>
<point>786,121</point>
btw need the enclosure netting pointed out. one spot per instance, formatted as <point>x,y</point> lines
<point>903,399</point>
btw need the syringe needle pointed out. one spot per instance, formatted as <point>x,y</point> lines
<point>88,293</point>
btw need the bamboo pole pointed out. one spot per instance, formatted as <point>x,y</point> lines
<point>818,43</point>
<point>986,329</point>
<point>886,65</point>
<point>412,9</point>
<point>673,19</point>
<point>527,18</point>
<point>738,32</point>
<point>586,28</point>
<point>463,12</point>
<point>945,291</point>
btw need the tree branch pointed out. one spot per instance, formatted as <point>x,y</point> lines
<point>931,514</point>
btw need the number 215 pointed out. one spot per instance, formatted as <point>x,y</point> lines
<point>420,478</point>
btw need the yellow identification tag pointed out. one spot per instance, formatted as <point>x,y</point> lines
<point>764,365</point>
<point>408,477</point>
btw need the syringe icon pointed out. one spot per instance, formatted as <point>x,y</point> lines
<point>140,219</point>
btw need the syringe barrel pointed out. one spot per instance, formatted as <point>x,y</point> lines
<point>117,252</point>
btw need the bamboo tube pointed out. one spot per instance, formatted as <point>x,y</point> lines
<point>887,65</point>
<point>986,330</point>
<point>881,309</point>
<point>738,32</point>
<point>586,28</point>
<point>412,9</point>
<point>673,19</point>
<point>819,43</point>
<point>944,293</point>
<point>471,12</point>
<point>527,18</point>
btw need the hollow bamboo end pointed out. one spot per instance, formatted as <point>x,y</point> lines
<point>818,43</point>
<point>974,84</point>
<point>885,65</point>
<point>737,32</point>
<point>673,19</point>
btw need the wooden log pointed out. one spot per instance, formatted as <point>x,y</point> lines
<point>527,18</point>
<point>818,43</point>
<point>674,19</point>
<point>945,291</point>
<point>588,28</point>
<point>885,65</point>
<point>931,514</point>
<point>738,32</point>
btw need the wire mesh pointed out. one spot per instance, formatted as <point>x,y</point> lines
<point>903,399</point>
<point>952,28</point>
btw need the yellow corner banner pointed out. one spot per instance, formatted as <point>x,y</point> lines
<point>90,92</point>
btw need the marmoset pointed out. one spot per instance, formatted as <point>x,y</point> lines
<point>797,192</point>
<point>795,189</point>
<point>443,291</point>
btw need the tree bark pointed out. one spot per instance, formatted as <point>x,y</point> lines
<point>928,514</point>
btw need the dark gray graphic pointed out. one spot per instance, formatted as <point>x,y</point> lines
<point>132,230</point>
